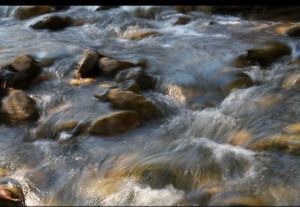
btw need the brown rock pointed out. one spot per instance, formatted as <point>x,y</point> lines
<point>130,85</point>
<point>293,31</point>
<point>263,56</point>
<point>110,66</point>
<point>182,20</point>
<point>129,100</point>
<point>87,65</point>
<point>115,123</point>
<point>26,12</point>
<point>11,193</point>
<point>26,64</point>
<point>19,107</point>
<point>53,23</point>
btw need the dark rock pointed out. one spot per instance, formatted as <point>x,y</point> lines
<point>59,7</point>
<point>115,123</point>
<point>87,65</point>
<point>294,31</point>
<point>263,56</point>
<point>128,100</point>
<point>110,66</point>
<point>182,20</point>
<point>20,72</point>
<point>26,12</point>
<point>11,193</point>
<point>53,23</point>
<point>137,74</point>
<point>130,85</point>
<point>19,107</point>
<point>106,7</point>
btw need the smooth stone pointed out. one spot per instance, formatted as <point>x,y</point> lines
<point>130,85</point>
<point>263,56</point>
<point>110,66</point>
<point>87,65</point>
<point>115,123</point>
<point>137,74</point>
<point>138,34</point>
<point>26,12</point>
<point>128,100</point>
<point>19,107</point>
<point>53,23</point>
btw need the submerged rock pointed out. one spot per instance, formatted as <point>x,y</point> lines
<point>234,80</point>
<point>26,12</point>
<point>110,66</point>
<point>115,123</point>
<point>182,20</point>
<point>137,74</point>
<point>53,23</point>
<point>263,56</point>
<point>11,193</point>
<point>87,65</point>
<point>287,143</point>
<point>138,34</point>
<point>19,107</point>
<point>128,100</point>
<point>237,200</point>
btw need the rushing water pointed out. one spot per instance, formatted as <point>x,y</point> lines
<point>167,161</point>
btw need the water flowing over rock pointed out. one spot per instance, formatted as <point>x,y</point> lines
<point>11,193</point>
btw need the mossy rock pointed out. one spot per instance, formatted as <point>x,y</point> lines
<point>263,56</point>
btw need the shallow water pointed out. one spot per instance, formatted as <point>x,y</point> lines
<point>167,161</point>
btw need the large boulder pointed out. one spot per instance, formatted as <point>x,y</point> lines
<point>110,66</point>
<point>263,56</point>
<point>19,107</point>
<point>115,123</point>
<point>26,12</point>
<point>20,72</point>
<point>137,74</point>
<point>129,100</point>
<point>88,63</point>
<point>53,23</point>
<point>11,193</point>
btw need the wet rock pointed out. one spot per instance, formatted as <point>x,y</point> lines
<point>128,100</point>
<point>11,193</point>
<point>137,74</point>
<point>292,128</point>
<point>26,12</point>
<point>238,138</point>
<point>294,31</point>
<point>147,13</point>
<point>291,81</point>
<point>87,65</point>
<point>3,171</point>
<point>115,123</point>
<point>53,23</point>
<point>238,200</point>
<point>19,107</point>
<point>286,143</point>
<point>263,56</point>
<point>106,7</point>
<point>110,66</point>
<point>130,85</point>
<point>138,34</point>
<point>235,80</point>
<point>20,72</point>
<point>81,81</point>
<point>182,20</point>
